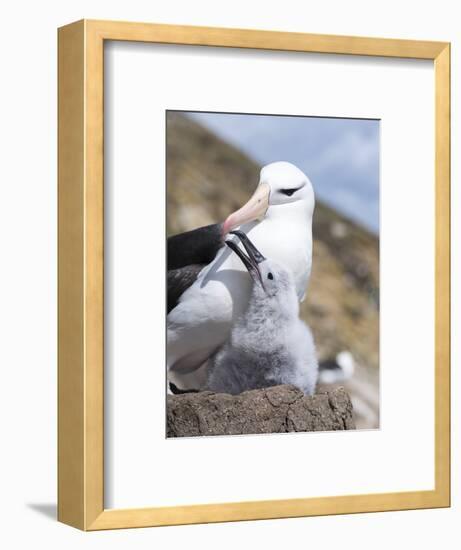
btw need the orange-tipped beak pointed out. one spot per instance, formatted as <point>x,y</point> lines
<point>255,208</point>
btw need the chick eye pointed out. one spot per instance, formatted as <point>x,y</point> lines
<point>270,276</point>
<point>288,192</point>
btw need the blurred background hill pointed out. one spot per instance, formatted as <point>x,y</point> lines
<point>208,178</point>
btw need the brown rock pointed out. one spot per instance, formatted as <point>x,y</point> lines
<point>277,409</point>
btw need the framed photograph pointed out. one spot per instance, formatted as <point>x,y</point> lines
<point>254,275</point>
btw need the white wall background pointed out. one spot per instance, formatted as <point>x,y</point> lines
<point>28,270</point>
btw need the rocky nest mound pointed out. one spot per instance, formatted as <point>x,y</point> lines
<point>278,409</point>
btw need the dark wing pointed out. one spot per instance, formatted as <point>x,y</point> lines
<point>188,253</point>
<point>198,246</point>
<point>177,391</point>
<point>179,280</point>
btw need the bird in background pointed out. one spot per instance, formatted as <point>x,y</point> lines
<point>268,344</point>
<point>206,295</point>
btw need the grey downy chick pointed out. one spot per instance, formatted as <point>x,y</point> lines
<point>269,344</point>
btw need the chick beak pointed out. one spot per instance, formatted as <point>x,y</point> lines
<point>252,260</point>
<point>251,249</point>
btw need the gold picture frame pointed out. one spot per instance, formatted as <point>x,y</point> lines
<point>81,269</point>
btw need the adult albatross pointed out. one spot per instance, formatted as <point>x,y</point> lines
<point>278,217</point>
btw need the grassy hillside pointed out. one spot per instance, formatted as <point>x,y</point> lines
<point>208,178</point>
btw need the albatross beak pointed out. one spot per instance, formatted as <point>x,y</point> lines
<point>254,256</point>
<point>255,208</point>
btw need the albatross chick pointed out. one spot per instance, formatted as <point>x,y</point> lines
<point>269,344</point>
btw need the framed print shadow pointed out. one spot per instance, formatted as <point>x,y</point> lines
<point>254,275</point>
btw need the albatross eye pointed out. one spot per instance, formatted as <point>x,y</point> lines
<point>288,192</point>
<point>270,276</point>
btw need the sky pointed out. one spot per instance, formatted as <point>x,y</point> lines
<point>339,155</point>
